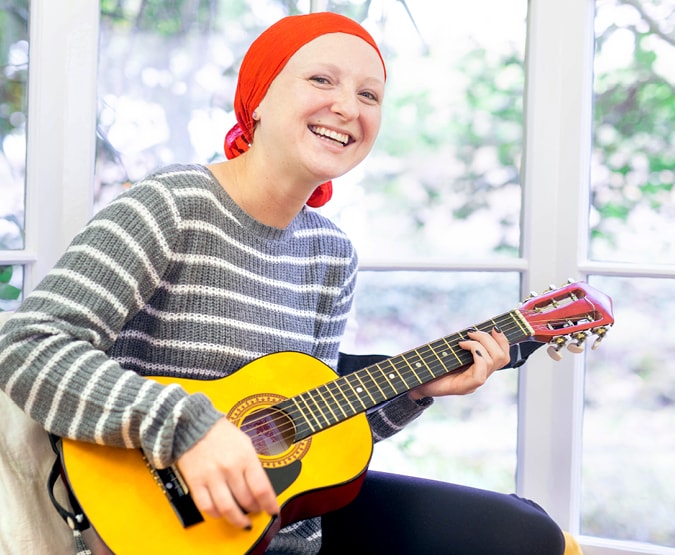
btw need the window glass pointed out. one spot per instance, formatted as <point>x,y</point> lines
<point>397,311</point>
<point>166,83</point>
<point>628,490</point>
<point>447,163</point>
<point>633,170</point>
<point>13,85</point>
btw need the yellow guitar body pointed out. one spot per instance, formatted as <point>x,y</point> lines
<point>132,514</point>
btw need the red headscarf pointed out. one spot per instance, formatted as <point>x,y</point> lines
<point>265,58</point>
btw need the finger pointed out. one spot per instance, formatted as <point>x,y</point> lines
<point>495,344</point>
<point>243,495</point>
<point>261,488</point>
<point>226,506</point>
<point>500,337</point>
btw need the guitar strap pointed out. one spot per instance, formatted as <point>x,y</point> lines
<point>75,519</point>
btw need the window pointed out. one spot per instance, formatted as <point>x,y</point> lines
<point>566,415</point>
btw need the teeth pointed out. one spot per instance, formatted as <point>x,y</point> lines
<point>340,137</point>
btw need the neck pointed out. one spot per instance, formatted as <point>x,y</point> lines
<point>270,199</point>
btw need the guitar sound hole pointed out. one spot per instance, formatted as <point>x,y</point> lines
<point>271,431</point>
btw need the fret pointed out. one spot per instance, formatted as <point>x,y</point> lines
<point>384,379</point>
<point>371,385</point>
<point>326,402</point>
<point>445,353</point>
<point>451,359</point>
<point>319,407</point>
<point>431,363</point>
<point>522,325</point>
<point>340,400</point>
<point>353,382</point>
<point>407,362</point>
<point>300,399</point>
<point>393,377</point>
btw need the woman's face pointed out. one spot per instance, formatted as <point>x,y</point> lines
<point>321,114</point>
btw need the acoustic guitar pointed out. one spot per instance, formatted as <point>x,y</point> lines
<point>308,426</point>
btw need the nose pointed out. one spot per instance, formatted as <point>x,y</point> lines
<point>345,103</point>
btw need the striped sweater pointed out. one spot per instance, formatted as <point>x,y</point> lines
<point>174,278</point>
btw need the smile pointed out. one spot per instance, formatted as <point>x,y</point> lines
<point>341,138</point>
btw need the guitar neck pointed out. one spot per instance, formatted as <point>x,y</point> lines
<point>347,396</point>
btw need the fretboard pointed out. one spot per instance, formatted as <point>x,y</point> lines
<point>347,396</point>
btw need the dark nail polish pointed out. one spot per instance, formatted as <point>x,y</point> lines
<point>479,353</point>
<point>497,329</point>
<point>248,528</point>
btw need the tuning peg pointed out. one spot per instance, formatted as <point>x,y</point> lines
<point>531,295</point>
<point>550,288</point>
<point>555,348</point>
<point>600,333</point>
<point>577,345</point>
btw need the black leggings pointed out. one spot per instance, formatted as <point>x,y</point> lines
<point>409,516</point>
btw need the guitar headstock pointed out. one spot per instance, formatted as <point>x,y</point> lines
<point>567,316</point>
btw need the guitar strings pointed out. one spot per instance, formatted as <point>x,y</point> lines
<point>350,396</point>
<point>426,354</point>
<point>285,424</point>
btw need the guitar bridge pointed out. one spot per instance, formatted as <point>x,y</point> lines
<point>175,489</point>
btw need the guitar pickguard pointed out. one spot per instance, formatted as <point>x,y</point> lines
<point>282,477</point>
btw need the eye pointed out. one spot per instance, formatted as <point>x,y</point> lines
<point>320,80</point>
<point>370,96</point>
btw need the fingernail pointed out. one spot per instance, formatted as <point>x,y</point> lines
<point>248,528</point>
<point>472,329</point>
<point>479,353</point>
<point>497,329</point>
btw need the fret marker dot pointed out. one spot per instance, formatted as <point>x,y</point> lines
<point>445,353</point>
<point>418,365</point>
<point>391,376</point>
<point>359,390</point>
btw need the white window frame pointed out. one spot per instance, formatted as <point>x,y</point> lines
<point>62,115</point>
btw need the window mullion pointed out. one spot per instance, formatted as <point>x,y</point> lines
<point>555,170</point>
<point>61,127</point>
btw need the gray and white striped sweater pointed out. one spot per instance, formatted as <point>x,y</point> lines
<point>173,278</point>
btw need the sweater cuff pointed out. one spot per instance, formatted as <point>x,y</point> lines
<point>424,402</point>
<point>199,417</point>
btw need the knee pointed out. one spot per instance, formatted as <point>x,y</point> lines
<point>536,533</point>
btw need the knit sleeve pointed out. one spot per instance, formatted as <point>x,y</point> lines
<point>53,360</point>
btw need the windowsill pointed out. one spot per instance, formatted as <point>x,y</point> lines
<point>602,546</point>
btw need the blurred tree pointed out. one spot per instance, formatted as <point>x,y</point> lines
<point>633,134</point>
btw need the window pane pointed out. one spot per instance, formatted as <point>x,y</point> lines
<point>633,199</point>
<point>447,163</point>
<point>13,82</point>
<point>628,490</point>
<point>166,83</point>
<point>11,285</point>
<point>397,311</point>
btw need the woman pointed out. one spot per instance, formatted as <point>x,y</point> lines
<point>196,271</point>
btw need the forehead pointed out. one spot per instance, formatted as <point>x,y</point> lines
<point>344,51</point>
